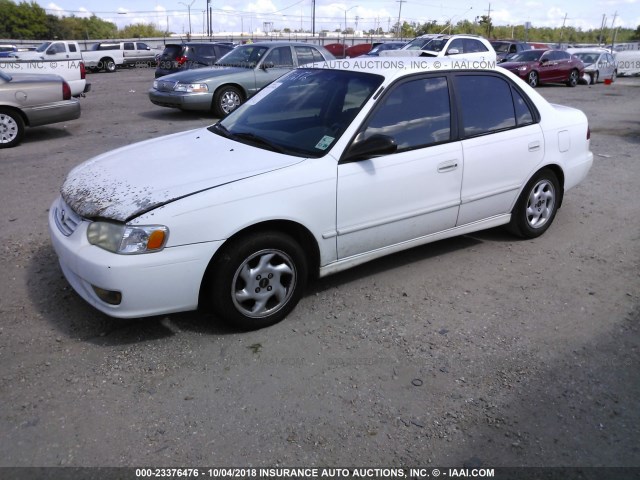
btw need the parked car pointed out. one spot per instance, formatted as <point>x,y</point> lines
<point>325,169</point>
<point>357,50</point>
<point>471,46</point>
<point>336,49</point>
<point>599,64</point>
<point>179,57</point>
<point>6,50</point>
<point>234,78</point>
<point>32,100</point>
<point>546,66</point>
<point>507,48</point>
<point>380,47</point>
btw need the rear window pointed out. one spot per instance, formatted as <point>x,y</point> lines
<point>172,50</point>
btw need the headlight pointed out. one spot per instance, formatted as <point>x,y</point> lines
<point>125,239</point>
<point>155,84</point>
<point>191,87</point>
<point>523,68</point>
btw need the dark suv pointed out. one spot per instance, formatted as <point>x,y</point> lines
<point>506,48</point>
<point>185,56</point>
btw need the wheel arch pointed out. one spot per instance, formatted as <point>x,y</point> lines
<point>11,108</point>
<point>559,173</point>
<point>232,84</point>
<point>296,230</point>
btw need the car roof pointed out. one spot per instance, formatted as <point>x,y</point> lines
<point>397,67</point>
<point>279,43</point>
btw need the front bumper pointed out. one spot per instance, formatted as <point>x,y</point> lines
<point>181,100</point>
<point>150,284</point>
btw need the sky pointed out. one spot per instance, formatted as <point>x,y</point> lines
<point>263,15</point>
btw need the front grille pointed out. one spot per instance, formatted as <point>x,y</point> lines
<point>166,86</point>
<point>66,219</point>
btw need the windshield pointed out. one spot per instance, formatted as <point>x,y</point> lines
<point>530,56</point>
<point>421,43</point>
<point>243,56</point>
<point>43,47</point>
<point>302,113</point>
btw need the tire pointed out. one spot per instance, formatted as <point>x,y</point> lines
<point>11,128</point>
<point>108,64</point>
<point>614,75</point>
<point>574,76</point>
<point>257,280</point>
<point>226,100</point>
<point>595,78</point>
<point>537,205</point>
<point>533,79</point>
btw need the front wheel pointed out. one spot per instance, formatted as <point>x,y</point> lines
<point>108,64</point>
<point>532,79</point>
<point>257,280</point>
<point>574,76</point>
<point>537,205</point>
<point>11,128</point>
<point>226,100</point>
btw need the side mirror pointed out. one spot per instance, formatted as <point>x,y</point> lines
<point>544,60</point>
<point>374,146</point>
<point>453,51</point>
<point>266,65</point>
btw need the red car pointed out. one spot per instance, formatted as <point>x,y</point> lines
<point>546,66</point>
<point>336,49</point>
<point>357,50</point>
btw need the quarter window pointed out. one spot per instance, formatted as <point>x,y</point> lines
<point>415,114</point>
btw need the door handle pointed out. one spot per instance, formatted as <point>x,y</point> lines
<point>534,146</point>
<point>447,166</point>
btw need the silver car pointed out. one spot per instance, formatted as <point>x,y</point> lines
<point>234,78</point>
<point>32,100</point>
<point>599,65</point>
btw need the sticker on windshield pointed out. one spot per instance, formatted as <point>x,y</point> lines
<point>324,142</point>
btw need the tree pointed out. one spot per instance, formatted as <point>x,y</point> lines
<point>140,30</point>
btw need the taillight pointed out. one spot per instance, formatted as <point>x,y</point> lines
<point>182,59</point>
<point>83,71</point>
<point>66,91</point>
<point>588,133</point>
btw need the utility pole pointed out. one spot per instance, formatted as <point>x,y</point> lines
<point>313,18</point>
<point>602,27</point>
<point>489,22</point>
<point>399,14</point>
<point>189,10</point>
<point>613,31</point>
<point>562,29</point>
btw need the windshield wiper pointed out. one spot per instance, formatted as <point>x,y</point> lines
<point>220,129</point>
<point>253,138</point>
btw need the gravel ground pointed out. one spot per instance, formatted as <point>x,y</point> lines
<point>482,350</point>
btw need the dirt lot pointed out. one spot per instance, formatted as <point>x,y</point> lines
<point>481,350</point>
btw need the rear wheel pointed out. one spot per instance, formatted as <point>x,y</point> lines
<point>574,76</point>
<point>532,79</point>
<point>595,77</point>
<point>614,75</point>
<point>226,100</point>
<point>108,64</point>
<point>11,128</point>
<point>257,280</point>
<point>537,205</point>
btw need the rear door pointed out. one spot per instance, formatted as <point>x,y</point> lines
<point>502,144</point>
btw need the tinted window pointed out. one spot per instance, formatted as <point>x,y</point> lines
<point>523,114</point>
<point>485,103</point>
<point>129,46</point>
<point>308,55</point>
<point>72,48</point>
<point>471,45</point>
<point>142,46</point>
<point>280,57</point>
<point>414,113</point>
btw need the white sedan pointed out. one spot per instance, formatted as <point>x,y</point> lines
<point>326,168</point>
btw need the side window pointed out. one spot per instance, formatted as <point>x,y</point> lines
<point>471,45</point>
<point>457,44</point>
<point>280,57</point>
<point>523,114</point>
<point>129,46</point>
<point>485,104</point>
<point>317,56</point>
<point>142,46</point>
<point>304,54</point>
<point>206,51</point>
<point>415,114</point>
<point>513,48</point>
<point>56,48</point>
<point>72,48</point>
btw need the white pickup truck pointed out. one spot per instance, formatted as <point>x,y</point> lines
<point>47,60</point>
<point>95,59</point>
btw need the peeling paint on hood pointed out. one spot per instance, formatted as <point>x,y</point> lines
<point>129,181</point>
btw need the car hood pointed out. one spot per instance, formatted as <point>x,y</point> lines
<point>205,73</point>
<point>127,182</point>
